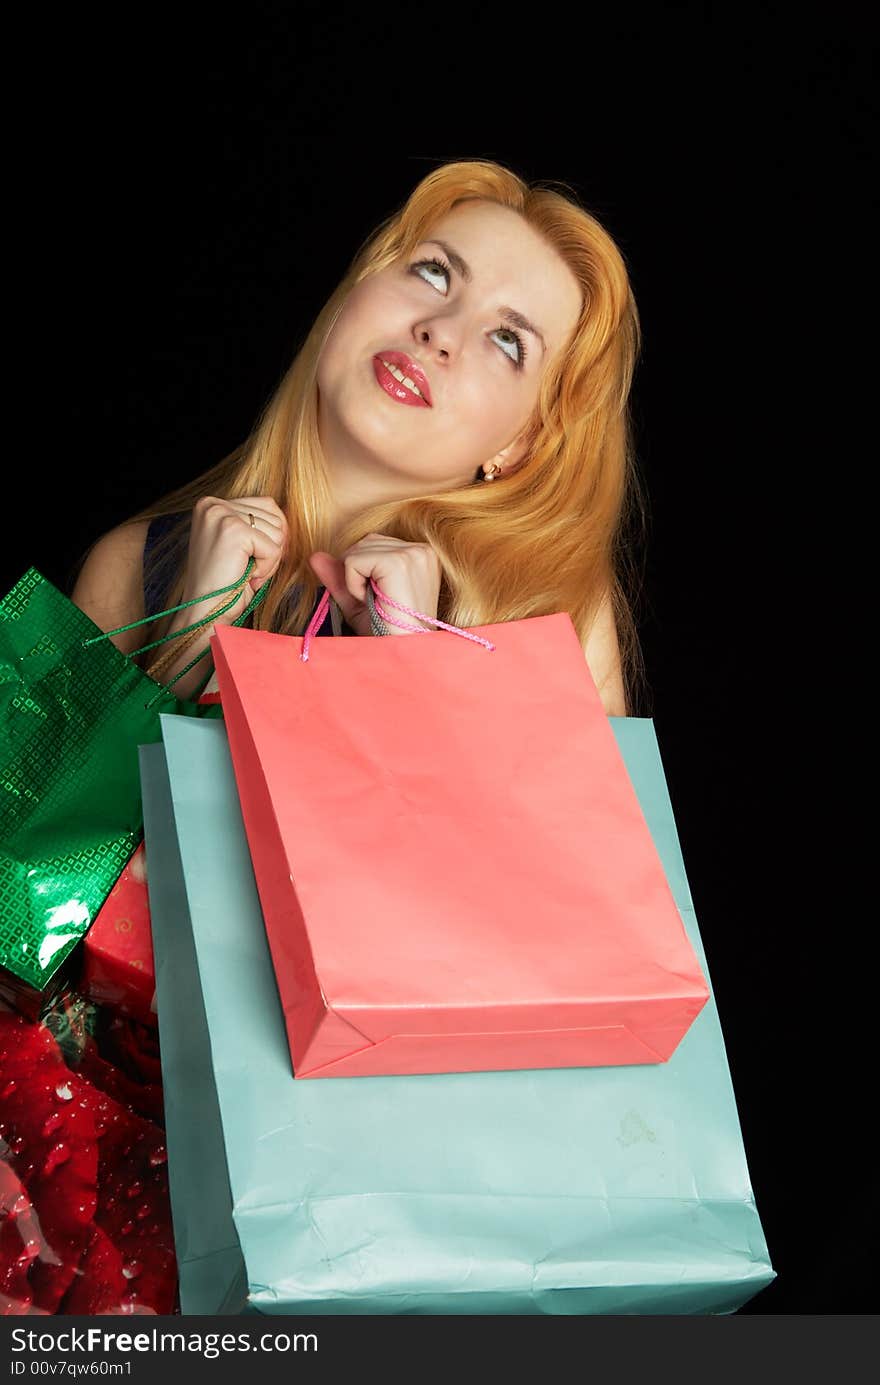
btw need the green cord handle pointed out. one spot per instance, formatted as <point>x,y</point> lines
<point>187,629</point>
<point>172,610</point>
<point>258,598</point>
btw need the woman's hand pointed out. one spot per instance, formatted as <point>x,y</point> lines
<point>221,542</point>
<point>406,572</point>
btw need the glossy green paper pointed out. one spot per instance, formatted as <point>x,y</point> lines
<point>71,720</point>
<point>559,1191</point>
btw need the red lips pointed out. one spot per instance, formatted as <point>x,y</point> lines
<point>410,368</point>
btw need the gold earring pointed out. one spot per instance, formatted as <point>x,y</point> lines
<point>490,475</point>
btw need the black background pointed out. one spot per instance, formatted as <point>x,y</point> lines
<point>183,201</point>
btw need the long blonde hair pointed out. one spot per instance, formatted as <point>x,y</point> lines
<point>557,534</point>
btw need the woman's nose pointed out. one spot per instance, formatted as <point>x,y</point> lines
<point>438,337</point>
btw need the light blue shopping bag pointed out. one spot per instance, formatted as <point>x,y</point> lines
<point>561,1191</point>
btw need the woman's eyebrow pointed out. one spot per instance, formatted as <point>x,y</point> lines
<point>509,314</point>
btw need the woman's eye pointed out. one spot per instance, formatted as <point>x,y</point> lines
<point>518,342</point>
<point>431,264</point>
<point>438,267</point>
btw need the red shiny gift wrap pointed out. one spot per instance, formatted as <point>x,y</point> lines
<point>117,967</point>
<point>454,868</point>
<point>85,1221</point>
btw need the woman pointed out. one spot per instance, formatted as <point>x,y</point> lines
<point>485,333</point>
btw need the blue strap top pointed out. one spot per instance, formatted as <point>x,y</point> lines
<point>153,595</point>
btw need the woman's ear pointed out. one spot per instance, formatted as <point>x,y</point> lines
<point>510,458</point>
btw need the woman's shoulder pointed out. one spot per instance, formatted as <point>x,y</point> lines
<point>109,587</point>
<point>115,554</point>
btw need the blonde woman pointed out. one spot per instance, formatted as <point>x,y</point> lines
<point>456,426</point>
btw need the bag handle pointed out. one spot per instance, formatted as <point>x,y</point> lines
<point>189,629</point>
<point>377,617</point>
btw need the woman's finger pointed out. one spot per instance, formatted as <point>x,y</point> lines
<point>331,573</point>
<point>255,520</point>
<point>377,543</point>
<point>266,548</point>
<point>269,520</point>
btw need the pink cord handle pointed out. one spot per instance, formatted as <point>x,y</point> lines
<point>317,621</point>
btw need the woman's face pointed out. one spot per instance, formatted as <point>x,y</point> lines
<point>451,316</point>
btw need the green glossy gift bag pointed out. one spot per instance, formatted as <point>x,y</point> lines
<point>73,710</point>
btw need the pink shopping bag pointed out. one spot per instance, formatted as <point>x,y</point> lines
<point>454,870</point>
